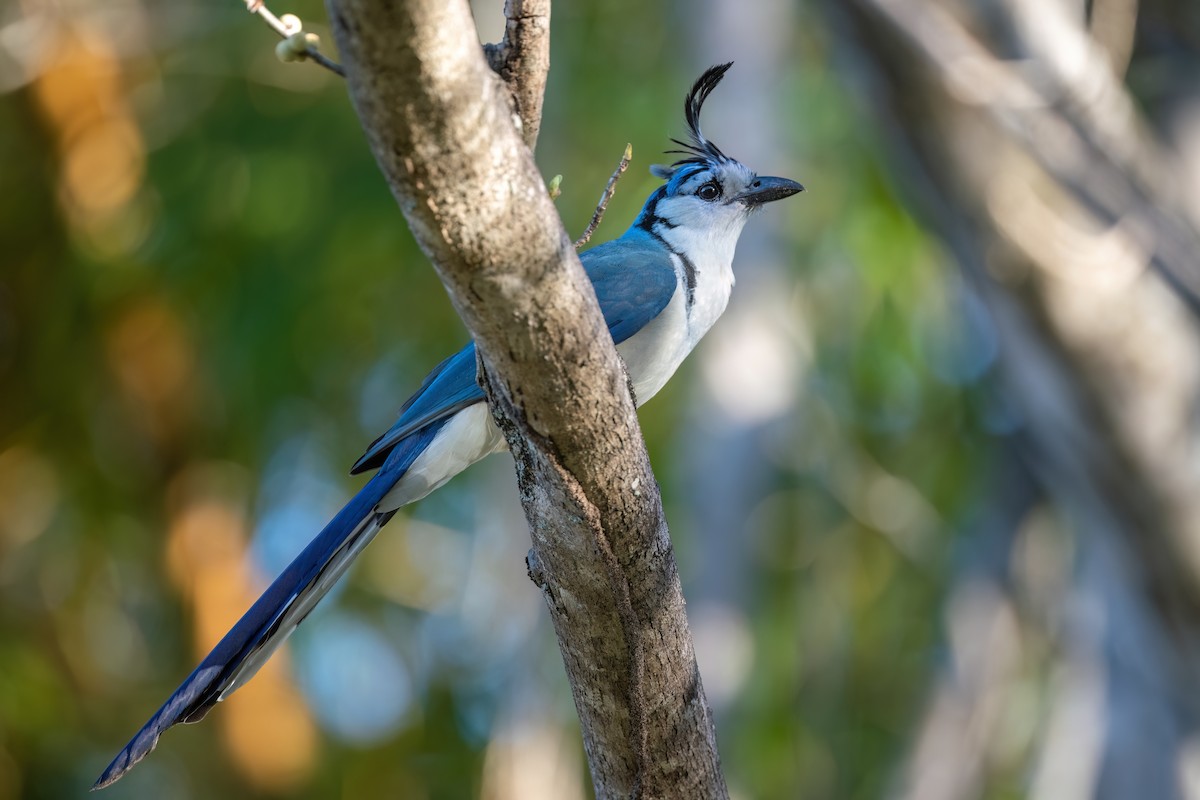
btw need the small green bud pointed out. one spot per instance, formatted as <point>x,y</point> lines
<point>284,51</point>
<point>296,46</point>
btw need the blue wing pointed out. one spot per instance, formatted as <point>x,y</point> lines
<point>634,281</point>
<point>448,389</point>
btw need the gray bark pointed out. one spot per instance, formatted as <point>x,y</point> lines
<point>522,59</point>
<point>444,131</point>
<point>1055,199</point>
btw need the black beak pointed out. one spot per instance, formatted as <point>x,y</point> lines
<point>766,190</point>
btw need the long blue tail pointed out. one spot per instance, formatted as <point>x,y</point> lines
<point>280,609</point>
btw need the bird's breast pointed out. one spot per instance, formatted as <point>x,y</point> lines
<point>654,353</point>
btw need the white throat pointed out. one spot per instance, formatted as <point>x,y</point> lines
<point>703,258</point>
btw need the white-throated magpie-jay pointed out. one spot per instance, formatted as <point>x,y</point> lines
<point>661,286</point>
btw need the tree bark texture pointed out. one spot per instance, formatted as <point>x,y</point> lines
<point>451,143</point>
<point>522,59</point>
<point>1074,237</point>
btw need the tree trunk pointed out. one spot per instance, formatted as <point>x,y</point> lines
<point>444,130</point>
<point>1057,202</point>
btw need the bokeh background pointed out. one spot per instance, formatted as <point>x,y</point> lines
<point>933,480</point>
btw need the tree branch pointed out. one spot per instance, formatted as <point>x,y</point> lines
<point>523,60</point>
<point>1079,124</point>
<point>606,196</point>
<point>296,45</point>
<point>1094,355</point>
<point>441,127</point>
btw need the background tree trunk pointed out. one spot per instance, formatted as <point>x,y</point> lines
<point>1080,240</point>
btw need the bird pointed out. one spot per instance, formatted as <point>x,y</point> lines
<point>661,285</point>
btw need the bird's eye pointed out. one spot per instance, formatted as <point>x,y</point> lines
<point>709,191</point>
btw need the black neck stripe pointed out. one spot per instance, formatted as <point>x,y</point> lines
<point>647,222</point>
<point>649,214</point>
<point>689,268</point>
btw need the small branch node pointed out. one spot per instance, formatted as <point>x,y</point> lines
<point>533,567</point>
<point>291,23</point>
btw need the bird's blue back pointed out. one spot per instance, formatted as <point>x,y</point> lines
<point>633,279</point>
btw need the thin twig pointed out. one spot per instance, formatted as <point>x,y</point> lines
<point>326,62</point>
<point>609,191</point>
<point>288,27</point>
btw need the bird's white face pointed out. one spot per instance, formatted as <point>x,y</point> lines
<point>708,197</point>
<point>706,202</point>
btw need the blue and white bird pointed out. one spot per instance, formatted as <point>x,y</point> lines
<point>661,286</point>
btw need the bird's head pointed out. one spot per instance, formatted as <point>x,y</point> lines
<point>707,189</point>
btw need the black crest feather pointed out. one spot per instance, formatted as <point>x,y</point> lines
<point>700,149</point>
